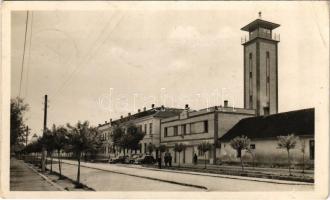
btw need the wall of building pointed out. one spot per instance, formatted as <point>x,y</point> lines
<point>228,120</point>
<point>268,46</point>
<point>194,128</point>
<point>259,48</point>
<point>250,48</point>
<point>267,152</point>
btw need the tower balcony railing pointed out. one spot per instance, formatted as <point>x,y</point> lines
<point>274,36</point>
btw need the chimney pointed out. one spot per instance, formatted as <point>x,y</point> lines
<point>129,114</point>
<point>121,117</point>
<point>225,103</point>
<point>110,120</point>
<point>144,108</point>
<point>162,107</point>
<point>139,110</point>
<point>186,107</point>
<point>215,107</point>
<point>105,122</point>
<point>152,106</point>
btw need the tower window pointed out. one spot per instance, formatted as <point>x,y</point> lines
<point>267,74</point>
<point>251,102</point>
<point>250,74</point>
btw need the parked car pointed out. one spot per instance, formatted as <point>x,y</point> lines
<point>118,159</point>
<point>145,159</point>
<point>132,158</point>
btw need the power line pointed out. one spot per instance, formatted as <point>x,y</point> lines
<point>28,63</point>
<point>89,56</point>
<point>26,25</point>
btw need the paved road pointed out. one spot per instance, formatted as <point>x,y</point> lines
<point>22,178</point>
<point>106,177</point>
<point>107,181</point>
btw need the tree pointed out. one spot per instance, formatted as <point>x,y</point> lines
<point>287,142</point>
<point>48,141</point>
<point>240,143</point>
<point>162,148</point>
<point>134,136</point>
<point>302,149</point>
<point>118,133</point>
<point>17,127</point>
<point>82,138</point>
<point>204,147</point>
<point>250,151</point>
<point>60,141</point>
<point>179,148</point>
<point>151,147</point>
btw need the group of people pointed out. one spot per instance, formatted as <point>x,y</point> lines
<point>168,159</point>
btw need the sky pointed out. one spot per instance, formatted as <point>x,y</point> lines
<point>97,65</point>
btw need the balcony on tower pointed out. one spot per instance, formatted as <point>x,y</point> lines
<point>260,29</point>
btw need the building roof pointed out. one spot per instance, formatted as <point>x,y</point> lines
<point>299,122</point>
<point>159,112</point>
<point>260,23</point>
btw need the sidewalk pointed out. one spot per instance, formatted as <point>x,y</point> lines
<point>24,178</point>
<point>309,174</point>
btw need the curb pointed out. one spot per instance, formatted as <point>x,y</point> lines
<point>70,179</point>
<point>276,181</point>
<point>150,178</point>
<point>46,178</point>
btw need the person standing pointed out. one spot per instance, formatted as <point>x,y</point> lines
<point>195,159</point>
<point>159,159</point>
<point>170,159</point>
<point>166,159</point>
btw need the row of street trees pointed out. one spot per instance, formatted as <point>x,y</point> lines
<point>17,126</point>
<point>128,139</point>
<point>287,143</point>
<point>80,139</point>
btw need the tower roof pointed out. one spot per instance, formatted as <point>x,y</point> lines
<point>260,23</point>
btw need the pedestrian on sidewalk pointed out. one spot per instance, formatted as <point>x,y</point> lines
<point>170,159</point>
<point>195,159</point>
<point>159,159</point>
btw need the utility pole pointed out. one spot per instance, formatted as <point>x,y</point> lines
<point>43,159</point>
<point>27,135</point>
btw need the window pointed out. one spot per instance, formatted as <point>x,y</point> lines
<point>184,129</point>
<point>175,130</point>
<point>267,74</point>
<point>311,150</point>
<point>165,132</point>
<point>145,147</point>
<point>145,128</point>
<point>251,102</point>
<point>206,126</point>
<point>252,146</point>
<point>150,128</point>
<point>250,75</point>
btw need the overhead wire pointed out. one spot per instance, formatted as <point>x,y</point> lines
<point>28,62</point>
<point>24,47</point>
